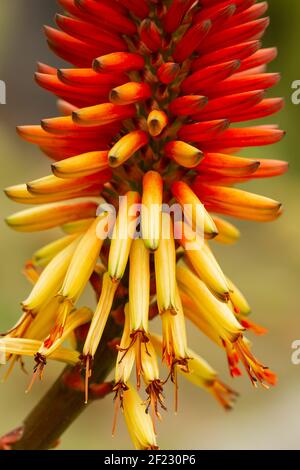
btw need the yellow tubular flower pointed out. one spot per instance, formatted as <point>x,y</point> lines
<point>151,209</point>
<point>150,373</point>
<point>81,165</point>
<point>204,376</point>
<point>156,122</point>
<point>194,315</point>
<point>192,312</point>
<point>139,286</point>
<point>138,422</point>
<point>45,254</point>
<point>50,215</point>
<point>26,320</point>
<point>123,234</point>
<point>227,232</point>
<point>51,184</point>
<point>96,329</point>
<point>66,355</point>
<point>20,194</point>
<point>194,211</point>
<point>44,321</point>
<point>223,320</point>
<point>126,355</point>
<point>30,347</point>
<point>83,261</point>
<point>51,279</point>
<point>100,316</point>
<point>75,319</point>
<point>165,268</point>
<point>183,153</point>
<point>145,356</point>
<point>174,336</point>
<point>126,147</point>
<point>174,345</point>
<point>213,311</point>
<point>203,261</point>
<point>139,299</point>
<point>201,374</point>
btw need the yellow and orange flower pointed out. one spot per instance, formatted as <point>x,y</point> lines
<point>148,113</point>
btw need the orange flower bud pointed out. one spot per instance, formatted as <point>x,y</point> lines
<point>151,209</point>
<point>182,153</point>
<point>130,92</point>
<point>119,62</point>
<point>191,40</point>
<point>187,105</point>
<point>126,147</point>
<point>102,114</point>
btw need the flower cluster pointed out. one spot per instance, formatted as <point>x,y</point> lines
<point>149,110</point>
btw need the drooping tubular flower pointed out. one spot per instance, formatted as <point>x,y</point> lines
<point>149,127</point>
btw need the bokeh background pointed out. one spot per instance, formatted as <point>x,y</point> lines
<point>265,263</point>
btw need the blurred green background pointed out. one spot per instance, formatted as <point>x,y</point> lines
<point>265,263</point>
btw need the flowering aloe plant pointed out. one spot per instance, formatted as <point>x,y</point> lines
<point>144,167</point>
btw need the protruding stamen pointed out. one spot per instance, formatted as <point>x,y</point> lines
<point>155,398</point>
<point>119,390</point>
<point>138,421</point>
<point>38,370</point>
